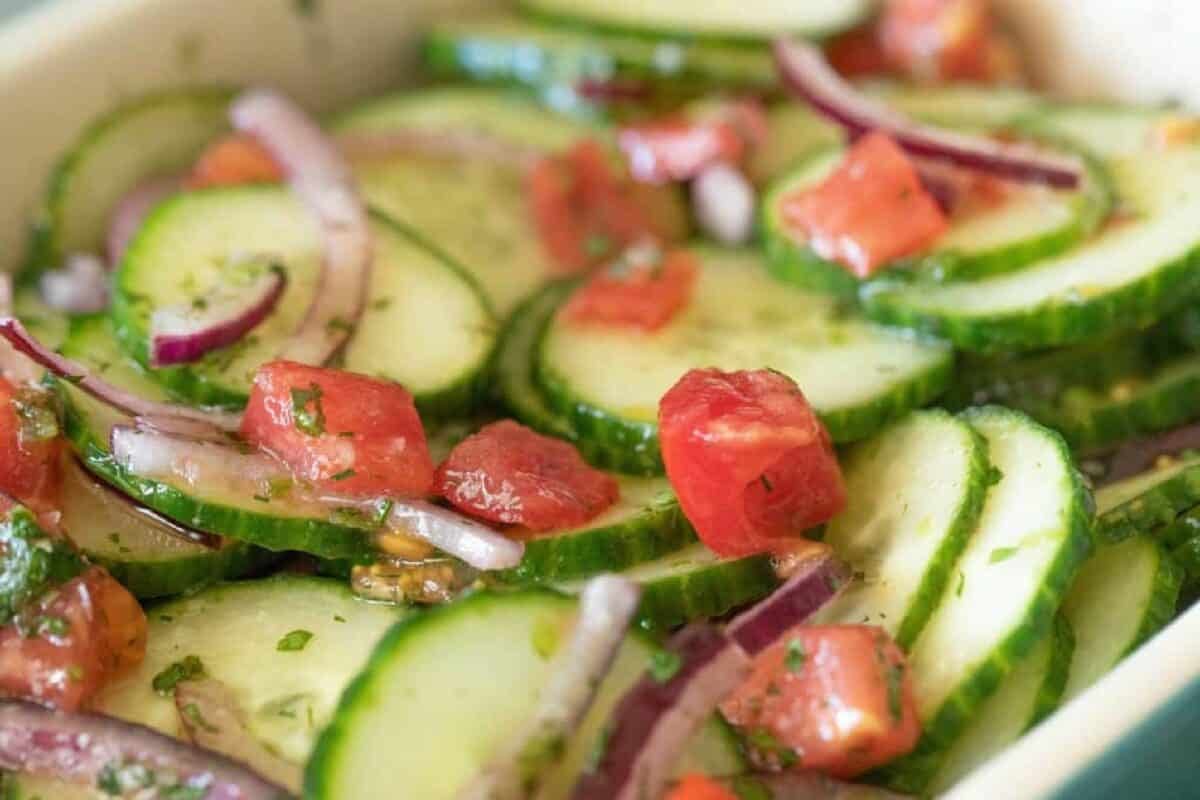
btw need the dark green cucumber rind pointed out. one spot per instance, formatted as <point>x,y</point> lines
<point>1186,554</point>
<point>1158,506</point>
<point>151,579</point>
<point>713,590</point>
<point>1169,580</point>
<point>912,773</point>
<point>1050,693</point>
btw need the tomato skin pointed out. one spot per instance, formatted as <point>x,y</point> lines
<point>510,474</point>
<point>644,289</point>
<point>857,53</point>
<point>751,464</point>
<point>938,39</point>
<point>677,149</point>
<point>30,464</point>
<point>339,431</point>
<point>801,689</point>
<point>233,160</point>
<point>870,211</point>
<point>100,630</point>
<point>695,786</point>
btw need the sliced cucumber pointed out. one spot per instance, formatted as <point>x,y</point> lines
<point>1128,276</point>
<point>857,377</point>
<point>48,325</point>
<point>959,105</point>
<point>22,786</point>
<point>1031,691</point>
<point>419,716</point>
<point>425,326</point>
<point>1144,502</point>
<point>1031,538</point>
<point>764,19</point>
<point>141,552</point>
<point>794,133</point>
<point>154,135</point>
<point>1109,131</point>
<point>916,491</point>
<point>288,696</point>
<point>273,524</point>
<point>1032,224</point>
<point>1123,595</point>
<point>644,524</point>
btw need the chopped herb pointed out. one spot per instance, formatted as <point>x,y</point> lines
<point>199,304</point>
<point>308,420</point>
<point>119,778</point>
<point>545,637</point>
<point>343,475</point>
<point>339,325</point>
<point>747,788</point>
<point>38,422</point>
<point>962,582</point>
<point>75,672</point>
<point>795,658</point>
<point>166,618</point>
<point>381,304</point>
<point>192,712</point>
<point>1001,554</point>
<point>994,476</point>
<point>115,538</point>
<point>766,484</point>
<point>307,8</point>
<point>338,618</point>
<point>183,670</point>
<point>596,245</point>
<point>664,665</point>
<point>346,435</point>
<point>895,690</point>
<point>279,487</point>
<point>294,640</point>
<point>55,626</point>
<point>765,744</point>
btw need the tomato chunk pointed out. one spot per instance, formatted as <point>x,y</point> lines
<point>695,786</point>
<point>938,39</point>
<point>66,647</point>
<point>587,211</point>
<point>871,210</point>
<point>339,431</point>
<point>30,448</point>
<point>836,698</point>
<point>507,473</point>
<point>676,149</point>
<point>751,464</point>
<point>643,289</point>
<point>234,160</point>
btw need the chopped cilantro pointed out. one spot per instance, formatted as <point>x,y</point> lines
<point>664,665</point>
<point>187,668</point>
<point>308,420</point>
<point>294,640</point>
<point>192,712</point>
<point>766,483</point>
<point>75,672</point>
<point>338,618</point>
<point>1001,554</point>
<point>343,475</point>
<point>748,788</point>
<point>55,626</point>
<point>895,690</point>
<point>765,744</point>
<point>796,656</point>
<point>962,583</point>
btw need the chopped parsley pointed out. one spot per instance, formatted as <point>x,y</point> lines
<point>962,583</point>
<point>307,414</point>
<point>184,670</point>
<point>343,475</point>
<point>338,618</point>
<point>294,640</point>
<point>192,712</point>
<point>796,656</point>
<point>1001,554</point>
<point>664,665</point>
<point>54,626</point>
<point>764,743</point>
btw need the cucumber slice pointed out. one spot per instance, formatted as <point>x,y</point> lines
<point>48,325</point>
<point>419,716</point>
<point>415,295</point>
<point>1124,278</point>
<point>1031,538</point>
<point>959,105</point>
<point>268,523</point>
<point>153,135</point>
<point>1109,131</point>
<point>140,552</point>
<point>794,133</point>
<point>288,695</point>
<point>22,786</point>
<point>1033,224</point>
<point>916,491</point>
<point>1144,502</point>
<point>644,524</point>
<point>738,318</point>
<point>1123,595</point>
<point>1028,694</point>
<point>765,19</point>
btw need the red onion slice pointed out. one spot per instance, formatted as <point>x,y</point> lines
<point>83,748</point>
<point>1135,456</point>
<point>812,585</point>
<point>452,533</point>
<point>654,721</point>
<point>606,605</point>
<point>805,71</point>
<point>80,286</point>
<point>724,202</point>
<point>131,210</point>
<point>182,334</point>
<point>320,177</point>
<point>83,377</point>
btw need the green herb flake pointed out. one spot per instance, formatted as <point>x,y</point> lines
<point>796,656</point>
<point>294,641</point>
<point>307,414</point>
<point>664,665</point>
<point>343,475</point>
<point>339,325</point>
<point>307,8</point>
<point>338,618</point>
<point>186,669</point>
<point>192,712</point>
<point>962,583</point>
<point>75,672</point>
<point>765,744</point>
<point>1002,554</point>
<point>748,788</point>
<point>545,637</point>
<point>381,304</point>
<point>895,692</point>
<point>54,626</point>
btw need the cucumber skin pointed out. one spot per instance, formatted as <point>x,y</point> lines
<point>1157,507</point>
<point>1050,693</point>
<point>1169,580</point>
<point>912,773</point>
<point>148,580</point>
<point>711,591</point>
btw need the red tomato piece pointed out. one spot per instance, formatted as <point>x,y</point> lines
<point>507,473</point>
<point>30,448</point>
<point>938,39</point>
<point>86,632</point>
<point>699,787</point>
<point>857,53</point>
<point>677,149</point>
<point>871,210</point>
<point>644,289</point>
<point>835,698</point>
<point>342,432</point>
<point>751,464</point>
<point>234,160</point>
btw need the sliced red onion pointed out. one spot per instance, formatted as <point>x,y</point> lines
<point>447,143</point>
<point>83,377</point>
<point>86,748</point>
<point>321,178</point>
<point>1136,456</point>
<point>812,585</point>
<point>803,785</point>
<point>606,605</point>
<point>211,717</point>
<point>132,209</point>
<point>654,721</point>
<point>723,201</point>
<point>452,533</point>
<point>182,334</point>
<point>805,71</point>
<point>612,90</point>
<point>80,286</point>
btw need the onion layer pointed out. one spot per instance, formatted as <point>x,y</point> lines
<point>724,201</point>
<point>452,533</point>
<point>1138,455</point>
<point>131,210</point>
<point>811,586</point>
<point>80,286</point>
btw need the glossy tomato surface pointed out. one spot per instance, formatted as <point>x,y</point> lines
<point>645,288</point>
<point>30,448</point>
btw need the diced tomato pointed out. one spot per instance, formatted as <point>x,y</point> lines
<point>750,462</point>
<point>30,448</point>
<point>699,787</point>
<point>73,642</point>
<point>234,160</point>
<point>643,289</point>
<point>507,473</point>
<point>836,698</point>
<point>871,210</point>
<point>339,431</point>
<point>677,149</point>
<point>586,211</point>
<point>938,39</point>
<point>857,53</point>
